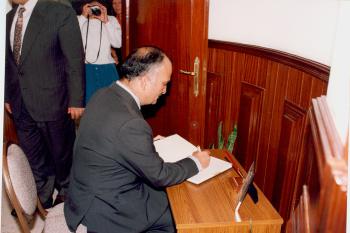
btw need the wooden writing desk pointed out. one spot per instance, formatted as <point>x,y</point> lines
<point>209,207</point>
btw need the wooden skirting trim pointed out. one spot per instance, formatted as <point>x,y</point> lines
<point>330,151</point>
<point>316,69</point>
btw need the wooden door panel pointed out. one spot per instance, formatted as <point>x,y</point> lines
<point>179,27</point>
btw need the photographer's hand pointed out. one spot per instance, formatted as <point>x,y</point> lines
<point>103,16</point>
<point>86,11</point>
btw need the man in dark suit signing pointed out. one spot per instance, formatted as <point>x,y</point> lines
<point>44,88</point>
<point>117,178</point>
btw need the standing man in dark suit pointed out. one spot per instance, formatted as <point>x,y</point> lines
<point>117,178</point>
<point>44,88</point>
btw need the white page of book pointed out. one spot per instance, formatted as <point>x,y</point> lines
<point>174,148</point>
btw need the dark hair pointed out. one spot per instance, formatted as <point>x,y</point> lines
<point>140,61</point>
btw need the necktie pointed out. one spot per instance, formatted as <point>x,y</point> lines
<point>17,40</point>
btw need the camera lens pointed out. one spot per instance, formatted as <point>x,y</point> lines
<point>95,11</point>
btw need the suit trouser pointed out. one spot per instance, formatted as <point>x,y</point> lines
<point>97,220</point>
<point>164,224</point>
<point>48,147</point>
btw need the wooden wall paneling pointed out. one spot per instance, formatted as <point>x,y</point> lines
<point>264,69</point>
<point>214,86</point>
<point>294,85</point>
<point>248,127</point>
<point>211,59</point>
<point>250,68</point>
<point>254,70</point>
<point>266,126</point>
<point>292,133</point>
<point>271,118</point>
<point>229,91</point>
<point>234,80</point>
<point>220,56</point>
<point>317,70</point>
<point>284,77</point>
<point>305,91</point>
<point>262,72</point>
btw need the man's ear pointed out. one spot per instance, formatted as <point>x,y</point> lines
<point>144,81</point>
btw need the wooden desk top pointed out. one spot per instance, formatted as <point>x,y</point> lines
<point>212,203</point>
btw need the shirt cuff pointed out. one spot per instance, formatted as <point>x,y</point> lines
<point>198,164</point>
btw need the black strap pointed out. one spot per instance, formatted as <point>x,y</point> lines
<point>86,41</point>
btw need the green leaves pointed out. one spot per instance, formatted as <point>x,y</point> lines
<point>220,137</point>
<point>230,141</point>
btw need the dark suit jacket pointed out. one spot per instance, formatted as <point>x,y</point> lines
<point>50,76</point>
<point>116,170</point>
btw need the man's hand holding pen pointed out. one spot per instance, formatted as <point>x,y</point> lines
<point>203,157</point>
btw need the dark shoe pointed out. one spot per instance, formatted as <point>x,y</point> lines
<point>13,213</point>
<point>59,199</point>
<point>47,204</point>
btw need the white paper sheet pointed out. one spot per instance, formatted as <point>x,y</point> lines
<point>175,148</point>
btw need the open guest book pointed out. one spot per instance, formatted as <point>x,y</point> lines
<point>174,148</point>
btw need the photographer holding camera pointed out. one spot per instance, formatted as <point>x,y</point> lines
<point>100,32</point>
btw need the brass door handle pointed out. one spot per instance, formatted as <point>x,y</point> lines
<point>187,72</point>
<point>195,74</point>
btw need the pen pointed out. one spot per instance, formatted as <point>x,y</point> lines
<point>199,148</point>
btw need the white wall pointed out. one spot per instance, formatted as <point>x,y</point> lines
<point>304,28</point>
<point>338,95</point>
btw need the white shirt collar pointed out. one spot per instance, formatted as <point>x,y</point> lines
<point>130,92</point>
<point>29,6</point>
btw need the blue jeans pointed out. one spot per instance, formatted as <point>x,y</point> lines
<point>98,76</point>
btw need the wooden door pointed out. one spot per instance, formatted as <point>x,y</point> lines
<point>180,28</point>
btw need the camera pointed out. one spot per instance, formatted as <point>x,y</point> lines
<point>95,10</point>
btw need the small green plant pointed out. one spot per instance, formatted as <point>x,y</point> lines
<point>230,140</point>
